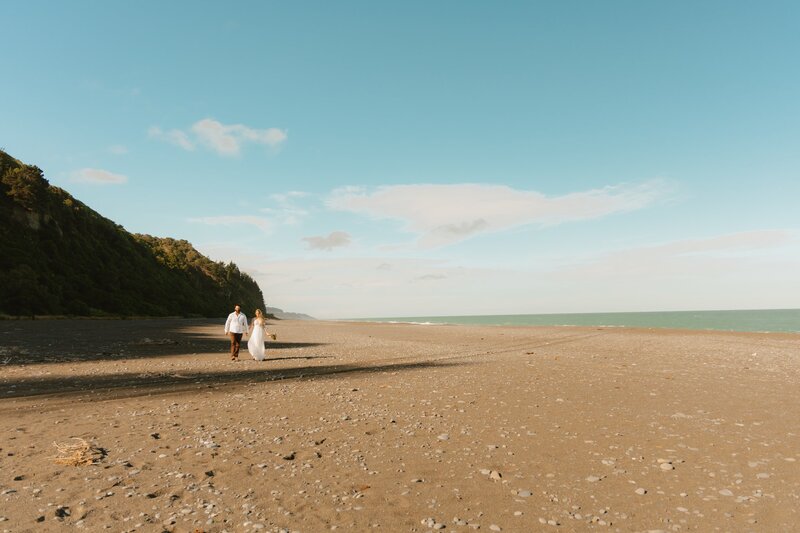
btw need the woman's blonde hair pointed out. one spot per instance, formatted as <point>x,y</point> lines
<point>258,313</point>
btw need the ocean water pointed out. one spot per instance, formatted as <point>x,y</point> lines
<point>764,320</point>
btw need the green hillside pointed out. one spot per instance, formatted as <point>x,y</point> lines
<point>59,257</point>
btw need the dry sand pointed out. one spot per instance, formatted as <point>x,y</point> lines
<point>361,427</point>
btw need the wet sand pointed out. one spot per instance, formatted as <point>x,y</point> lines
<point>394,427</point>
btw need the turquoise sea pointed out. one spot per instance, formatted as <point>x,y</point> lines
<point>767,320</point>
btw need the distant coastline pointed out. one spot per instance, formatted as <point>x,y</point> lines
<point>751,320</point>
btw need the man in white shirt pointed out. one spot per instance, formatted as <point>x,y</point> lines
<point>235,327</point>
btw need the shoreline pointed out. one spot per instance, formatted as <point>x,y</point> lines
<point>358,426</point>
<point>643,329</point>
<point>744,320</point>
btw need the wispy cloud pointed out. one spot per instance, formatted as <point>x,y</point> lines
<point>444,214</point>
<point>176,137</point>
<point>97,176</point>
<point>234,220</point>
<point>719,255</point>
<point>285,215</point>
<point>228,139</point>
<point>746,270</point>
<point>285,197</point>
<point>734,271</point>
<point>431,277</point>
<point>285,211</point>
<point>224,139</point>
<point>336,239</point>
<point>118,149</point>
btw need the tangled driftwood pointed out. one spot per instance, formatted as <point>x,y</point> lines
<point>80,453</point>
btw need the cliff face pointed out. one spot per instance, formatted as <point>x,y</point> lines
<point>59,257</point>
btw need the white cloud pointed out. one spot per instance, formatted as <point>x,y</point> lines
<point>224,139</point>
<point>176,137</point>
<point>336,239</point>
<point>444,214</point>
<point>118,149</point>
<point>234,220</point>
<point>97,176</point>
<point>228,139</point>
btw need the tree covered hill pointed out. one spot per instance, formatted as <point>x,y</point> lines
<point>59,257</point>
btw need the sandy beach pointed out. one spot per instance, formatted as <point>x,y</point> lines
<point>393,427</point>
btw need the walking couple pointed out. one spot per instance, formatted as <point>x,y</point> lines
<point>236,326</point>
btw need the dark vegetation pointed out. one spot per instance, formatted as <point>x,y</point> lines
<point>59,257</point>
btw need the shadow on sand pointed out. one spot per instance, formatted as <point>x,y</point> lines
<point>106,387</point>
<point>25,342</point>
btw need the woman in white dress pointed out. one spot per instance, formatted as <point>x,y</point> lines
<point>258,333</point>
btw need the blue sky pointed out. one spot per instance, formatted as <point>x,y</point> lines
<point>422,158</point>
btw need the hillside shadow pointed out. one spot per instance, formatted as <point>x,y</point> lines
<point>105,387</point>
<point>25,342</point>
